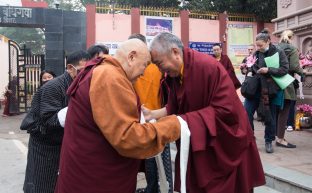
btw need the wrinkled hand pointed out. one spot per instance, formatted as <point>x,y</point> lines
<point>147,113</point>
<point>263,70</point>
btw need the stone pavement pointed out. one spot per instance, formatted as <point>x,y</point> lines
<point>13,143</point>
<point>298,159</point>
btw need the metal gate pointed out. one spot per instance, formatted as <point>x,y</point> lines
<point>24,80</point>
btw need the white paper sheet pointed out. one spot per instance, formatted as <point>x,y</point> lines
<point>61,115</point>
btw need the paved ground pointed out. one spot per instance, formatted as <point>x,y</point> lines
<point>13,143</point>
<point>299,159</point>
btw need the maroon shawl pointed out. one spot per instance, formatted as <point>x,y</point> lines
<point>223,153</point>
<point>226,62</point>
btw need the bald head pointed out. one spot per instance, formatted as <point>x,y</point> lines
<point>131,45</point>
<point>134,56</point>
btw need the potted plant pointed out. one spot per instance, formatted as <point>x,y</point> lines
<point>303,116</point>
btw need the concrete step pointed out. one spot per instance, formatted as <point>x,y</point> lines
<point>286,180</point>
<point>265,189</point>
<point>278,179</point>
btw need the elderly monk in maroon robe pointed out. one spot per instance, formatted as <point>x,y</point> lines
<point>103,139</point>
<point>226,62</point>
<point>223,155</point>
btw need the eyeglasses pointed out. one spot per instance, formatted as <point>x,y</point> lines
<point>250,49</point>
<point>77,70</point>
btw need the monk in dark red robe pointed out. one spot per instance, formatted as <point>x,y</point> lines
<point>227,64</point>
<point>223,155</point>
<point>103,139</point>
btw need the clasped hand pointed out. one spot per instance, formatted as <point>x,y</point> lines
<point>147,113</point>
<point>263,70</point>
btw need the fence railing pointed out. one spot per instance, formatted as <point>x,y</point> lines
<point>209,16</point>
<point>105,8</point>
<point>241,18</point>
<point>159,11</point>
<point>114,8</point>
<point>33,78</point>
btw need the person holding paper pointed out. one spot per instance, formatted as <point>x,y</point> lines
<point>268,91</point>
<point>223,156</point>
<point>290,95</point>
<point>103,138</point>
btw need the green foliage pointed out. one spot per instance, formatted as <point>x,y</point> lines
<point>31,37</point>
<point>73,5</point>
<point>264,10</point>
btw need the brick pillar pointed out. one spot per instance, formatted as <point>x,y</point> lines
<point>185,27</point>
<point>91,27</point>
<point>135,20</point>
<point>223,36</point>
<point>260,26</point>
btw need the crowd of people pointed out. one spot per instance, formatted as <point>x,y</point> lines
<point>276,105</point>
<point>87,134</point>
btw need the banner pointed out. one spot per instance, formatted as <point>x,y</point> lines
<point>112,46</point>
<point>156,25</point>
<point>240,36</point>
<point>205,47</point>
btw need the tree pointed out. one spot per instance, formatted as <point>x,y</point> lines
<point>33,38</point>
<point>264,10</point>
<point>73,5</point>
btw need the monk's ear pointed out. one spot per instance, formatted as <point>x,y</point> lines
<point>131,57</point>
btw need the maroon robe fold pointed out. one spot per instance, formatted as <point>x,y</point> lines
<point>88,161</point>
<point>223,154</point>
<point>103,139</point>
<point>226,62</point>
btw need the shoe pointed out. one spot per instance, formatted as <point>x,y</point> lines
<point>268,147</point>
<point>289,145</point>
<point>289,128</point>
<point>140,190</point>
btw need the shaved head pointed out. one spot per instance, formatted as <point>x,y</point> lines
<point>134,56</point>
<point>132,45</point>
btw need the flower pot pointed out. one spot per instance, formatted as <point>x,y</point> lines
<point>299,115</point>
<point>305,122</point>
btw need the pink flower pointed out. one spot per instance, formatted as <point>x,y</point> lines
<point>305,60</point>
<point>305,108</point>
<point>250,61</point>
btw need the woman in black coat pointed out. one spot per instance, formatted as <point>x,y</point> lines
<point>268,91</point>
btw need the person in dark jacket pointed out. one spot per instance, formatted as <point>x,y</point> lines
<point>31,120</point>
<point>45,139</point>
<point>268,91</point>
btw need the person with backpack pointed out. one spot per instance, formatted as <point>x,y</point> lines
<point>290,95</point>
